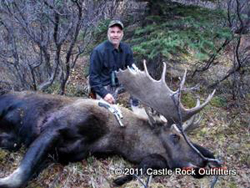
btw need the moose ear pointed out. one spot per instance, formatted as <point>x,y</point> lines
<point>154,118</point>
<point>151,116</point>
<point>174,127</point>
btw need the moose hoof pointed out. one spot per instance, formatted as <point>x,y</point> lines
<point>122,180</point>
<point>197,175</point>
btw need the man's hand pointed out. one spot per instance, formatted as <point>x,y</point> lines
<point>109,98</point>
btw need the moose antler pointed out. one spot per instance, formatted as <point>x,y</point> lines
<point>156,93</point>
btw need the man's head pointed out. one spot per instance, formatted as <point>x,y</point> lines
<point>115,32</point>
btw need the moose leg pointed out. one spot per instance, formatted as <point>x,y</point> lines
<point>153,161</point>
<point>33,157</point>
<point>205,153</point>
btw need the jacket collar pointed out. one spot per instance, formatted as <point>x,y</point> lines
<point>110,46</point>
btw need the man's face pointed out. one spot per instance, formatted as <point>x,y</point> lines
<point>115,35</point>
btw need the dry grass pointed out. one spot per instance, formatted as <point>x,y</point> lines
<point>226,132</point>
<point>223,130</point>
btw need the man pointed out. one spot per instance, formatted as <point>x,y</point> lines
<point>105,59</point>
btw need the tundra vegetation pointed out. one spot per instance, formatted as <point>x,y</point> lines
<point>45,45</point>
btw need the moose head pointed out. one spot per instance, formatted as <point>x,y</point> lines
<point>178,120</point>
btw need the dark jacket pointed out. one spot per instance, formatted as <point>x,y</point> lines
<point>103,60</point>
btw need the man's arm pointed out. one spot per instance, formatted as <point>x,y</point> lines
<point>96,66</point>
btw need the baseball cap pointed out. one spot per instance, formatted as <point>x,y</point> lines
<point>116,22</point>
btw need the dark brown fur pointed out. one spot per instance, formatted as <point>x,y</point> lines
<point>75,128</point>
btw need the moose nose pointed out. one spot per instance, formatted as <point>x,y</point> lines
<point>214,162</point>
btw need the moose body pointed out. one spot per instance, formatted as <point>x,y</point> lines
<point>73,128</point>
<point>78,127</point>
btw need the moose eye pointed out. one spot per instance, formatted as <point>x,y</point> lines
<point>175,138</point>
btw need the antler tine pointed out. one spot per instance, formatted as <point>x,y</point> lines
<point>180,90</point>
<point>183,80</point>
<point>199,107</point>
<point>132,71</point>
<point>198,102</point>
<point>192,123</point>
<point>163,75</point>
<point>145,68</point>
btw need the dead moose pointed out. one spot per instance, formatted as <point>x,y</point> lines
<point>73,128</point>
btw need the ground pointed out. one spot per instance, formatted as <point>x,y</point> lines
<point>223,129</point>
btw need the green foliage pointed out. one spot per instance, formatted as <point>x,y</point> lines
<point>233,185</point>
<point>2,155</point>
<point>188,100</point>
<point>76,90</point>
<point>54,88</point>
<point>90,160</point>
<point>99,33</point>
<point>245,159</point>
<point>218,101</point>
<point>183,32</point>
